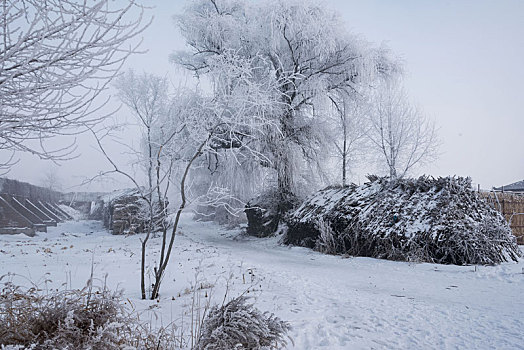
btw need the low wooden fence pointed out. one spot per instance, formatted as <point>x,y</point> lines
<point>511,205</point>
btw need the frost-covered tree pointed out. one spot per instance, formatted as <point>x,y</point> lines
<point>228,120</point>
<point>157,115</point>
<point>161,117</point>
<point>304,49</point>
<point>399,133</point>
<point>192,126</point>
<point>51,179</point>
<point>350,126</point>
<point>56,57</point>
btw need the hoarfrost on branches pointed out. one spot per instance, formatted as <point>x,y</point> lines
<point>239,325</point>
<point>181,128</point>
<point>350,126</point>
<point>401,136</point>
<point>303,48</point>
<point>56,57</point>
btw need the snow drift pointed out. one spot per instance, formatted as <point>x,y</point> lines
<point>433,220</point>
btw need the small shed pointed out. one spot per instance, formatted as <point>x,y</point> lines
<point>514,187</point>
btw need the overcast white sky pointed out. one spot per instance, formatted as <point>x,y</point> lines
<point>465,69</point>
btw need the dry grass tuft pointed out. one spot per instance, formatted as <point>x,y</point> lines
<point>239,325</point>
<point>73,319</point>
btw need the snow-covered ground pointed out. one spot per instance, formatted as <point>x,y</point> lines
<point>331,302</point>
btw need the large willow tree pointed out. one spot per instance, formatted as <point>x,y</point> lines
<point>305,50</point>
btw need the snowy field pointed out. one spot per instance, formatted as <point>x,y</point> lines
<point>331,302</point>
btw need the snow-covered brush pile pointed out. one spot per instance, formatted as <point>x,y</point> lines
<point>239,325</point>
<point>73,319</point>
<point>433,220</point>
<point>128,212</point>
<point>265,212</point>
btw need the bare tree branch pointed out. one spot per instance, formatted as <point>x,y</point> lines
<point>56,58</point>
<point>399,133</point>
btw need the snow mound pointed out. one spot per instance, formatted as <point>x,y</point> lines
<point>433,220</point>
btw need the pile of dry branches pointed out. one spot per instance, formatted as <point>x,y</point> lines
<point>433,220</point>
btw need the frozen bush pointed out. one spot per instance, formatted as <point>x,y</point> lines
<point>239,325</point>
<point>72,319</point>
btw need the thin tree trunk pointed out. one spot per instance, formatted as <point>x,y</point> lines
<point>392,173</point>
<point>150,226</point>
<point>344,169</point>
<point>344,155</point>
<point>143,269</point>
<point>284,176</point>
<point>283,162</point>
<point>159,273</point>
<point>392,151</point>
<point>163,208</point>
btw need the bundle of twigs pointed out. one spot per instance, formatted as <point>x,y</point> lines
<point>426,219</point>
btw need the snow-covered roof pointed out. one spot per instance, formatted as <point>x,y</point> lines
<point>514,187</point>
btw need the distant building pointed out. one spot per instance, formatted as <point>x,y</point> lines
<point>514,187</point>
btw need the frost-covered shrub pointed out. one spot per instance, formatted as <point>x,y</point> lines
<point>434,220</point>
<point>239,325</point>
<point>72,319</point>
